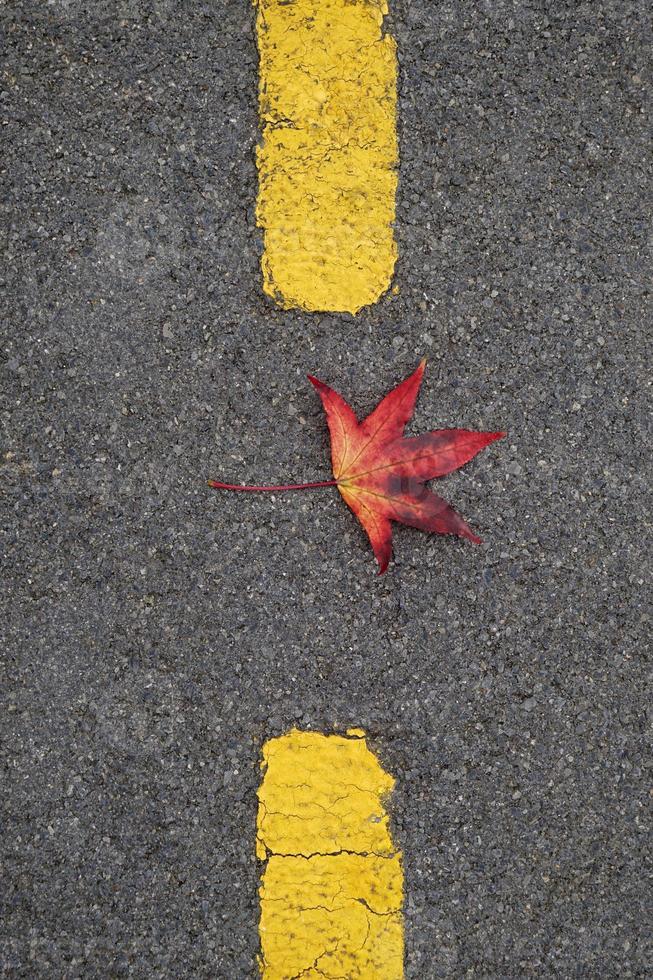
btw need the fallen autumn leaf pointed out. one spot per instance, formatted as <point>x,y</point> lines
<point>381,475</point>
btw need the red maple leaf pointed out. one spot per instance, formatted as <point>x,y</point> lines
<point>382,475</point>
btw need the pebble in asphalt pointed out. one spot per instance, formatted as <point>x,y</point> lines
<point>155,633</point>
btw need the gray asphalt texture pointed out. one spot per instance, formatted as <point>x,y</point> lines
<point>156,633</point>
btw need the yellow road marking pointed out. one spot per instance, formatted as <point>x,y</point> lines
<point>332,888</point>
<point>327,165</point>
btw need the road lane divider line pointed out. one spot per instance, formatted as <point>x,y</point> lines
<point>328,160</point>
<point>331,890</point>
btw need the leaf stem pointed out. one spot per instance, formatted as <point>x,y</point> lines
<point>286,486</point>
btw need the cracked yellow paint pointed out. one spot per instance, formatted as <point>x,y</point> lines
<point>332,887</point>
<point>328,161</point>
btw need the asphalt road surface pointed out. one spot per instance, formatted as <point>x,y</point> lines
<point>156,633</point>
